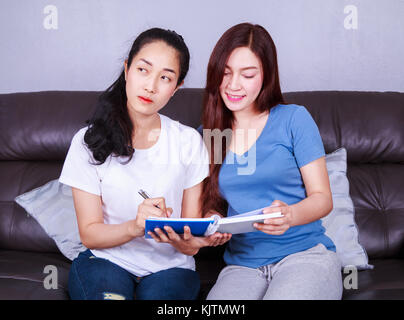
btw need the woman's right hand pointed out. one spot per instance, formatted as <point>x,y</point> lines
<point>153,207</point>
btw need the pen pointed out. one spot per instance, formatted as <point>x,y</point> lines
<point>143,194</point>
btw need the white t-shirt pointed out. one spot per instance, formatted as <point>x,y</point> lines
<point>177,161</point>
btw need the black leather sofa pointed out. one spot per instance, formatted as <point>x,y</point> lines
<point>35,133</point>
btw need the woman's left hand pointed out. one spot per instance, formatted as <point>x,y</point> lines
<point>276,226</point>
<point>186,243</point>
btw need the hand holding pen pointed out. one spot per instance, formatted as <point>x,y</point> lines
<point>150,207</point>
<point>159,203</point>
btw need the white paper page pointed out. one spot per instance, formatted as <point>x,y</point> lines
<point>244,224</point>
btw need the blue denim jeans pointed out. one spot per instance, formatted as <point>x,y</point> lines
<point>93,278</point>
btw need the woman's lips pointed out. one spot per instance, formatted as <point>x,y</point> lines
<point>234,98</point>
<point>145,100</point>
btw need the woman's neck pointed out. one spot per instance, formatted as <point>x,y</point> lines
<point>146,130</point>
<point>145,123</point>
<point>247,117</point>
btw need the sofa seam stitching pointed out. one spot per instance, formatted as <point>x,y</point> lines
<point>382,209</point>
<point>14,204</point>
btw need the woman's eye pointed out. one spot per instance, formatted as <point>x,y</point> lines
<point>247,76</point>
<point>165,78</point>
<point>142,69</point>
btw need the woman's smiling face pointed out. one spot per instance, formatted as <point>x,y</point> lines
<point>242,80</point>
<point>152,78</point>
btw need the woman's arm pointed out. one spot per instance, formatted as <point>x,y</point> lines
<point>316,205</point>
<point>319,199</point>
<point>191,202</point>
<point>95,234</point>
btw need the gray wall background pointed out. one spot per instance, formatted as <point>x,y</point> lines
<point>81,45</point>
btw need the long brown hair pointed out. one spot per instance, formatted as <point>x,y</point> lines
<point>216,115</point>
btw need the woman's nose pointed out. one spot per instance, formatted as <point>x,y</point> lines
<point>234,83</point>
<point>151,84</point>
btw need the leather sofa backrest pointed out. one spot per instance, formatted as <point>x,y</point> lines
<point>36,130</point>
<point>370,125</point>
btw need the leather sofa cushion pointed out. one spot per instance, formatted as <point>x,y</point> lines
<point>385,281</point>
<point>22,275</point>
<point>18,230</point>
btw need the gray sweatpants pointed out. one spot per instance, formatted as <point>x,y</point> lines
<point>313,274</point>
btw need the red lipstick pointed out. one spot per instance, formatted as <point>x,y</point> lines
<point>145,100</point>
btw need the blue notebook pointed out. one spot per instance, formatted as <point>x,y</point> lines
<point>198,226</point>
<point>240,223</point>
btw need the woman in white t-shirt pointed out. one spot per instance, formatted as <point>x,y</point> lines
<point>126,147</point>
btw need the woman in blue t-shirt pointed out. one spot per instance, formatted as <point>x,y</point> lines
<point>275,160</point>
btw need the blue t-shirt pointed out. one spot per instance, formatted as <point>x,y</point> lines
<point>269,171</point>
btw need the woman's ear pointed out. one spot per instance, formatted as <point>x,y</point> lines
<point>126,67</point>
<point>182,82</point>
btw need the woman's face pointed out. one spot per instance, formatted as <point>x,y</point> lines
<point>242,80</point>
<point>151,79</point>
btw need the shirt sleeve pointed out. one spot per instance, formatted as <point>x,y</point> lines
<point>79,170</point>
<point>306,139</point>
<point>197,160</point>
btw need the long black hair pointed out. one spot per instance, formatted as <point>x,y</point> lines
<point>110,129</point>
